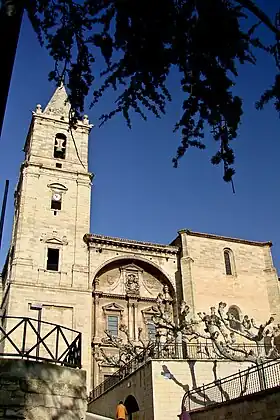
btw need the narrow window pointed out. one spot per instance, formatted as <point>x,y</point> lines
<point>151,331</point>
<point>234,317</point>
<point>228,262</point>
<point>113,325</point>
<point>53,259</point>
<point>56,201</point>
<point>59,146</point>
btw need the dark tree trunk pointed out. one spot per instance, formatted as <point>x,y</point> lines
<point>10,23</point>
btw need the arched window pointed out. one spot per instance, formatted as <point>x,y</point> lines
<point>59,150</point>
<point>228,257</point>
<point>234,317</point>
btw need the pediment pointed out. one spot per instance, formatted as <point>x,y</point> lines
<point>57,186</point>
<point>113,307</point>
<point>54,241</point>
<point>152,310</point>
<point>131,267</point>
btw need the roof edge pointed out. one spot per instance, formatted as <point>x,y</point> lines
<point>227,238</point>
<point>131,243</point>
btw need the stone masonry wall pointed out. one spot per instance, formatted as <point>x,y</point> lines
<point>253,286</point>
<point>40,391</point>
<point>263,405</point>
<point>173,378</point>
<point>138,385</point>
<point>160,385</point>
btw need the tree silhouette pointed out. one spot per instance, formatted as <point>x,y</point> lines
<point>126,348</point>
<point>141,41</point>
<point>221,328</point>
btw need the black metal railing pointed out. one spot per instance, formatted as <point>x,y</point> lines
<point>249,381</point>
<point>120,374</point>
<point>200,351</point>
<point>162,351</point>
<point>28,338</point>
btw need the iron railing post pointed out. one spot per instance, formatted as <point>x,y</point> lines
<point>221,390</point>
<point>39,334</point>
<point>263,376</point>
<point>56,342</point>
<point>240,382</point>
<point>24,337</point>
<point>260,376</point>
<point>80,351</point>
<point>204,396</point>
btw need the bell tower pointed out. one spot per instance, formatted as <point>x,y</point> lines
<point>52,200</point>
<point>48,259</point>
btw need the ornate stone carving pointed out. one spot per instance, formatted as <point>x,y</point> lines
<point>38,109</point>
<point>96,282</point>
<point>112,307</point>
<point>111,280</point>
<point>54,238</point>
<point>55,186</point>
<point>151,284</point>
<point>166,294</point>
<point>132,283</point>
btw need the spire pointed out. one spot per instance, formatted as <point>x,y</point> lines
<point>58,105</point>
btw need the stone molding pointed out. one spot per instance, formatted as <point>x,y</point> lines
<point>113,307</point>
<point>223,238</point>
<point>122,297</point>
<point>92,239</point>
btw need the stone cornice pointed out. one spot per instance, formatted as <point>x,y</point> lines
<point>41,166</point>
<point>57,119</point>
<point>224,238</point>
<point>101,294</point>
<point>91,240</point>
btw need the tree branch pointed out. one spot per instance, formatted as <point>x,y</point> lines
<point>255,10</point>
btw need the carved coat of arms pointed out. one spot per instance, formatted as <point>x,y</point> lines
<point>132,284</point>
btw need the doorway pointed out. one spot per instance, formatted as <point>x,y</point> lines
<point>132,407</point>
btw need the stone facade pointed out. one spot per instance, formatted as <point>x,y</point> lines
<point>30,390</point>
<point>92,282</point>
<point>138,386</point>
<point>252,285</point>
<point>159,387</point>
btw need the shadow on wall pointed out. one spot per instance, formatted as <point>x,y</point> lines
<point>36,390</point>
<point>200,397</point>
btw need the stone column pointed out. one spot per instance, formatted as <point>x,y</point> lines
<point>95,312</point>
<point>95,339</point>
<point>186,262</point>
<point>272,284</point>
<point>136,326</point>
<point>129,317</point>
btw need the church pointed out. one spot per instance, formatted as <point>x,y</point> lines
<point>93,283</point>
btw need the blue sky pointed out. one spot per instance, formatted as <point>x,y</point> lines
<point>136,192</point>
